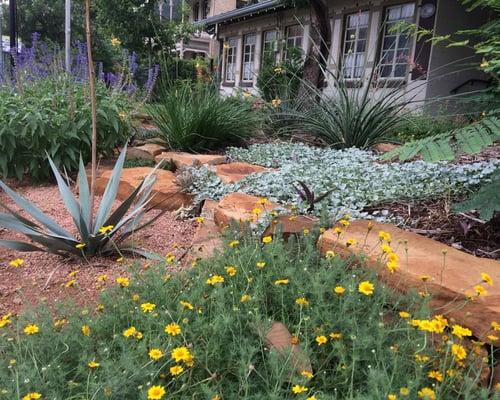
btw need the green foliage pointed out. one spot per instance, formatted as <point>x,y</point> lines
<point>137,25</point>
<point>356,178</point>
<point>281,81</point>
<point>142,162</point>
<point>195,117</point>
<point>374,356</point>
<point>99,236</point>
<point>470,139</point>
<point>420,126</point>
<point>53,117</point>
<point>486,200</point>
<point>345,118</point>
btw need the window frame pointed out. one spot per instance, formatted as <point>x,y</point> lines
<point>287,37</point>
<point>343,53</point>
<point>234,57</point>
<point>274,49</point>
<point>196,15</point>
<point>243,81</point>
<point>396,49</point>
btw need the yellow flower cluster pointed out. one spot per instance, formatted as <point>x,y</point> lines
<point>436,325</point>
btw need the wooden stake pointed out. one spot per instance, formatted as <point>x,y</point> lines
<point>94,106</point>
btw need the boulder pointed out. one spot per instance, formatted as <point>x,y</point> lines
<point>279,338</point>
<point>207,238</point>
<point>236,171</point>
<point>426,265</point>
<point>167,194</point>
<point>238,207</point>
<point>181,160</point>
<point>289,225</point>
<point>385,147</point>
<point>147,151</point>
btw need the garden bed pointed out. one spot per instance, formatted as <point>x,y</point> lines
<point>434,219</point>
<point>30,283</point>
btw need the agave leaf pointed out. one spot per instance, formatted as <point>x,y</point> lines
<point>55,245</point>
<point>20,217</point>
<point>11,222</point>
<point>144,253</point>
<point>35,212</point>
<point>68,198</point>
<point>84,195</point>
<point>120,212</point>
<point>19,246</point>
<point>110,192</point>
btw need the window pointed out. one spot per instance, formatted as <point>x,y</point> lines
<point>205,10</point>
<point>196,11</point>
<point>231,47</point>
<point>396,46</point>
<point>294,35</point>
<point>355,40</point>
<point>269,46</point>
<point>248,57</point>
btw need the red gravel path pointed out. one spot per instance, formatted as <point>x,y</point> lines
<point>27,285</point>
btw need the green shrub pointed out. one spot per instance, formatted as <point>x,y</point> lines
<point>195,117</point>
<point>221,327</point>
<point>280,81</point>
<point>420,126</point>
<point>53,116</point>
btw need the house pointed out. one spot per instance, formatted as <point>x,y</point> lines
<point>361,39</point>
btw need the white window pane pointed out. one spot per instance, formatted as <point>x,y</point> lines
<point>407,10</point>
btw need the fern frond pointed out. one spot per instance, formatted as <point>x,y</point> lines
<point>470,139</point>
<point>486,200</point>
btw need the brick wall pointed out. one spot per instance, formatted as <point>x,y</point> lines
<point>222,6</point>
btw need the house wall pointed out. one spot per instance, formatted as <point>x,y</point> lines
<point>422,82</point>
<point>453,66</point>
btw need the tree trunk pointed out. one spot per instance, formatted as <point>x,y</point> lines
<point>93,104</point>
<point>319,48</point>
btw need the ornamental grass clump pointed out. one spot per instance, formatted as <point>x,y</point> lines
<point>195,117</point>
<point>202,334</point>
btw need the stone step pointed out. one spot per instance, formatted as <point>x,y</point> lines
<point>167,194</point>
<point>447,274</point>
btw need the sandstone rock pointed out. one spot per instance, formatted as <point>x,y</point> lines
<point>167,194</point>
<point>279,338</point>
<point>289,225</point>
<point>449,281</point>
<point>147,151</point>
<point>207,239</point>
<point>385,147</point>
<point>186,160</point>
<point>236,171</point>
<point>238,207</point>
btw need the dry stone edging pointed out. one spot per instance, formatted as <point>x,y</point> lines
<point>452,273</point>
<point>167,194</point>
<point>238,207</point>
<point>280,339</point>
<point>207,239</point>
<point>147,151</point>
<point>236,171</point>
<point>182,160</point>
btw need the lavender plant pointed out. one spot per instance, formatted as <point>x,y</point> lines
<point>44,110</point>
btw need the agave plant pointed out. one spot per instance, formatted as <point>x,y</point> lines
<point>96,236</point>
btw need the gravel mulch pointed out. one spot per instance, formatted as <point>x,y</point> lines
<point>43,277</point>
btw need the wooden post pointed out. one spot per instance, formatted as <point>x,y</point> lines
<point>94,106</point>
<point>67,35</point>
